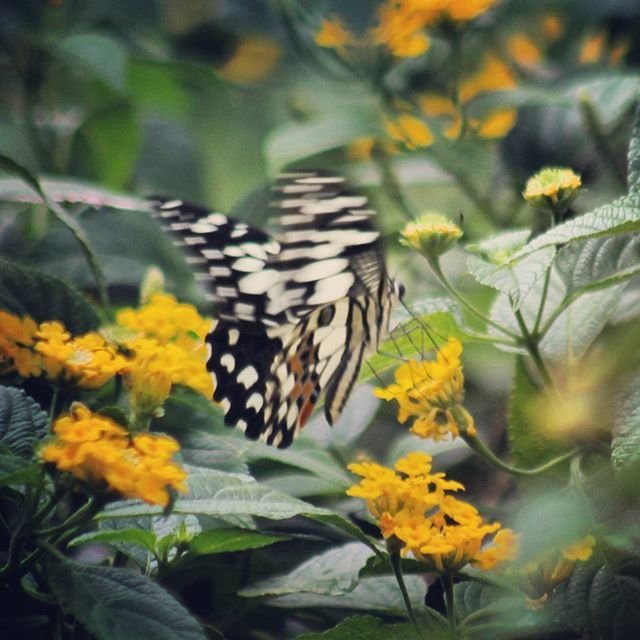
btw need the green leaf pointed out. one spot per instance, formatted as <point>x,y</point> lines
<point>101,56</point>
<point>366,628</point>
<point>23,423</point>
<point>15,470</point>
<point>528,445</point>
<point>633,171</point>
<point>625,445</point>
<point>71,191</point>
<point>25,291</point>
<point>118,604</point>
<point>601,601</point>
<point>333,572</point>
<point>158,86</point>
<point>108,143</point>
<point>370,594</point>
<point>599,263</point>
<point>225,540</point>
<point>140,537</point>
<point>296,141</point>
<point>621,216</point>
<point>213,451</point>
<point>515,281</point>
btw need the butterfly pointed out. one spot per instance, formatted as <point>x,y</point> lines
<point>297,311</point>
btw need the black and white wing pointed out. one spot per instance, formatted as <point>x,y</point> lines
<point>297,312</point>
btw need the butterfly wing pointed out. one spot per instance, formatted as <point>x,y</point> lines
<point>297,313</point>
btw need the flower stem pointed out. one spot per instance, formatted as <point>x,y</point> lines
<point>543,301</point>
<point>396,565</point>
<point>435,265</point>
<point>447,583</point>
<point>531,344</point>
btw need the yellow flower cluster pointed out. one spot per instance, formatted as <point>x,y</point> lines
<point>94,449</point>
<point>169,342</point>
<point>17,337</point>
<point>414,506</point>
<point>431,391</point>
<point>432,234</point>
<point>544,573</point>
<point>552,187</point>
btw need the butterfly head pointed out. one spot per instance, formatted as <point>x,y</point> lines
<point>397,290</point>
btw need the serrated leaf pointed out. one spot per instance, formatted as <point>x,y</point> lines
<point>366,628</point>
<point>529,447</point>
<point>625,444</point>
<point>118,604</point>
<point>633,159</point>
<point>333,572</point>
<point>621,216</point>
<point>599,263</point>
<point>103,57</point>
<point>370,594</point>
<point>25,291</point>
<point>23,423</point>
<point>225,540</point>
<point>515,281</point>
<point>139,537</point>
<point>213,451</point>
<point>601,601</point>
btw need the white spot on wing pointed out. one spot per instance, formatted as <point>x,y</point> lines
<point>228,362</point>
<point>259,282</point>
<point>225,404</point>
<point>255,401</point>
<point>248,377</point>
<point>242,425</point>
<point>248,264</point>
<point>234,334</point>
<point>332,288</point>
<point>321,269</point>
<point>334,341</point>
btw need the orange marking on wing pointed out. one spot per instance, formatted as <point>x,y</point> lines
<point>308,405</point>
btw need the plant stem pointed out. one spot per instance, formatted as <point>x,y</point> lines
<point>435,265</point>
<point>543,301</point>
<point>391,183</point>
<point>531,344</point>
<point>396,565</point>
<point>447,583</point>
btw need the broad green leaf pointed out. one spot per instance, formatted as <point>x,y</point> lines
<point>633,160</point>
<point>366,628</point>
<point>119,604</point>
<point>23,423</point>
<point>219,494</point>
<point>225,540</point>
<point>333,572</point>
<point>370,594</point>
<point>625,445</point>
<point>71,191</point>
<point>25,291</point>
<point>529,446</point>
<point>301,485</point>
<point>108,144</point>
<point>601,601</point>
<point>599,263</point>
<point>621,216</point>
<point>15,470</point>
<point>156,85</point>
<point>103,57</point>
<point>515,281</point>
<point>294,141</point>
<point>139,537</point>
<point>213,451</point>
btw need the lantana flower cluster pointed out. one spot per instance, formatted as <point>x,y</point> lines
<point>417,508</point>
<point>431,392</point>
<point>95,449</point>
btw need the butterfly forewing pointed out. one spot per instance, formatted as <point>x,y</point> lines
<point>298,311</point>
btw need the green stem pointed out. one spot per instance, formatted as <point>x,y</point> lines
<point>553,316</point>
<point>447,583</point>
<point>531,344</point>
<point>543,301</point>
<point>396,565</point>
<point>601,141</point>
<point>435,265</point>
<point>81,516</point>
<point>390,182</point>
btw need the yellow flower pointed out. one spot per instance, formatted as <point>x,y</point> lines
<point>544,573</point>
<point>87,361</point>
<point>96,449</point>
<point>252,61</point>
<point>409,130</point>
<point>497,124</point>
<point>492,75</point>
<point>592,48</point>
<point>169,342</point>
<point>17,337</point>
<point>413,506</point>
<point>432,234</point>
<point>333,34</point>
<point>465,10</point>
<point>553,188</point>
<point>431,391</point>
<point>524,50</point>
<point>150,385</point>
<point>552,26</point>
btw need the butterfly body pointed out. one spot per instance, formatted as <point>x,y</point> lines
<point>298,312</point>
